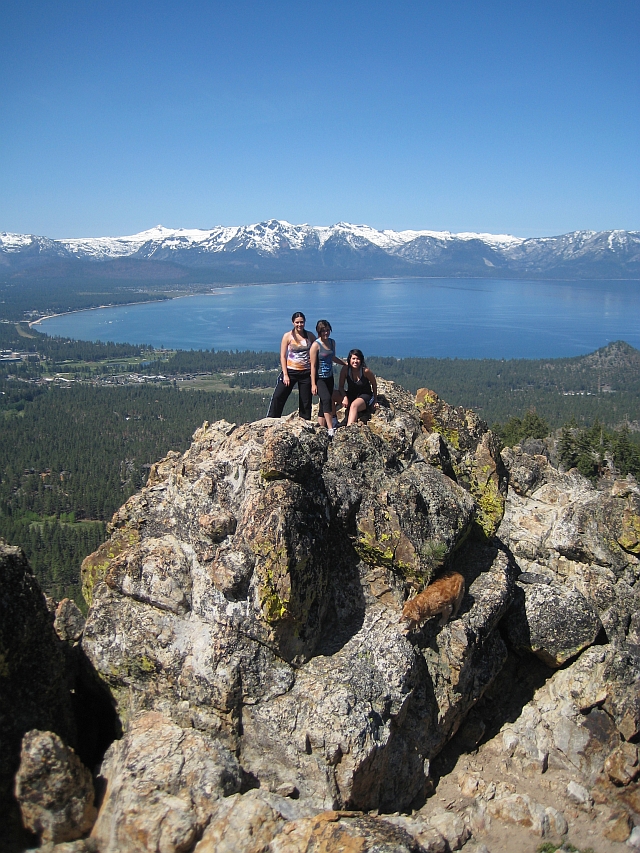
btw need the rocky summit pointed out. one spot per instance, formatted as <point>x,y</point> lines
<point>244,631</point>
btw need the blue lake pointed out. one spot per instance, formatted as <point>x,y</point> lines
<point>463,318</point>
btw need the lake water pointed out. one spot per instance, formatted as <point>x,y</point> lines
<point>463,318</point>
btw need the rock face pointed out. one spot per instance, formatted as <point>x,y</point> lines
<point>54,789</point>
<point>34,683</point>
<point>162,782</point>
<point>577,549</point>
<point>552,621</point>
<point>253,592</point>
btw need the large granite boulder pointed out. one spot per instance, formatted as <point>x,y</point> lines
<point>554,621</point>
<point>54,789</point>
<point>253,590</point>
<point>466,451</point>
<point>162,784</point>
<point>580,539</point>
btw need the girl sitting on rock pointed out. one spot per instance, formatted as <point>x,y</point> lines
<point>357,386</point>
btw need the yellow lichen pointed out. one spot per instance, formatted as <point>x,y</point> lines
<point>629,539</point>
<point>424,398</point>
<point>273,568</point>
<point>145,664</point>
<point>95,566</point>
<point>491,505</point>
<point>452,436</point>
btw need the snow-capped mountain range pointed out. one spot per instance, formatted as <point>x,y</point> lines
<point>276,249</point>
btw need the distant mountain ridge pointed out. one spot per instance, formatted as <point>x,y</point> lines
<point>275,249</point>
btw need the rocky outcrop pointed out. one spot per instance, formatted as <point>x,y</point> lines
<point>245,615</point>
<point>253,592</point>
<point>467,452</point>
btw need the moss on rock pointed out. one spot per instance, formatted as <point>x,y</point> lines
<point>94,567</point>
<point>629,538</point>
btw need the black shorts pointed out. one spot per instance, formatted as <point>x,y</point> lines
<point>325,392</point>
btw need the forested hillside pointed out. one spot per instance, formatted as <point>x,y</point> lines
<point>73,455</point>
<point>603,385</point>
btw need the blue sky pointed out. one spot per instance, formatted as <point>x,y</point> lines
<point>505,117</point>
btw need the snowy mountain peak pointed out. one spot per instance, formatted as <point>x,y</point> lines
<point>292,250</point>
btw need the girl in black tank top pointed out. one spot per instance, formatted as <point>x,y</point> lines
<point>357,386</point>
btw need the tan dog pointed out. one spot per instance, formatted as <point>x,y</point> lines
<point>442,597</point>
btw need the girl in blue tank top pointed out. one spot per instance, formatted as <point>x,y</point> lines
<point>323,357</point>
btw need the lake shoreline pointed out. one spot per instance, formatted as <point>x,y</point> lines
<point>470,318</point>
<point>232,285</point>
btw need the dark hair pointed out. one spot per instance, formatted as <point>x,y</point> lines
<point>297,314</point>
<point>322,324</point>
<point>357,352</point>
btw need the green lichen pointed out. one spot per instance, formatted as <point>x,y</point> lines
<point>145,664</point>
<point>425,398</point>
<point>451,436</point>
<point>274,565</point>
<point>272,474</point>
<point>372,554</point>
<point>273,607</point>
<point>629,539</point>
<point>95,566</point>
<point>491,505</point>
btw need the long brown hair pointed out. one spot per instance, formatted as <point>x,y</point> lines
<point>294,317</point>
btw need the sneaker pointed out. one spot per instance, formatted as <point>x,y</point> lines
<point>331,433</point>
<point>308,426</point>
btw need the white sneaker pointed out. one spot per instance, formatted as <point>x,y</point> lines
<point>331,433</point>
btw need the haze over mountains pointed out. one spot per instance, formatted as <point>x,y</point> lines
<point>276,250</point>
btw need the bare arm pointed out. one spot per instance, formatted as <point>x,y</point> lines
<point>341,389</point>
<point>283,357</point>
<point>313,355</point>
<point>372,379</point>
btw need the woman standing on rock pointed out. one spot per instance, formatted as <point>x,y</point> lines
<point>357,386</point>
<point>323,357</point>
<point>295,361</point>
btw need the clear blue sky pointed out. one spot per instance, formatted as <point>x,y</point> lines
<point>507,117</point>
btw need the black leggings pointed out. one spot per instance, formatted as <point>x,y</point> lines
<point>282,391</point>
<point>325,392</point>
